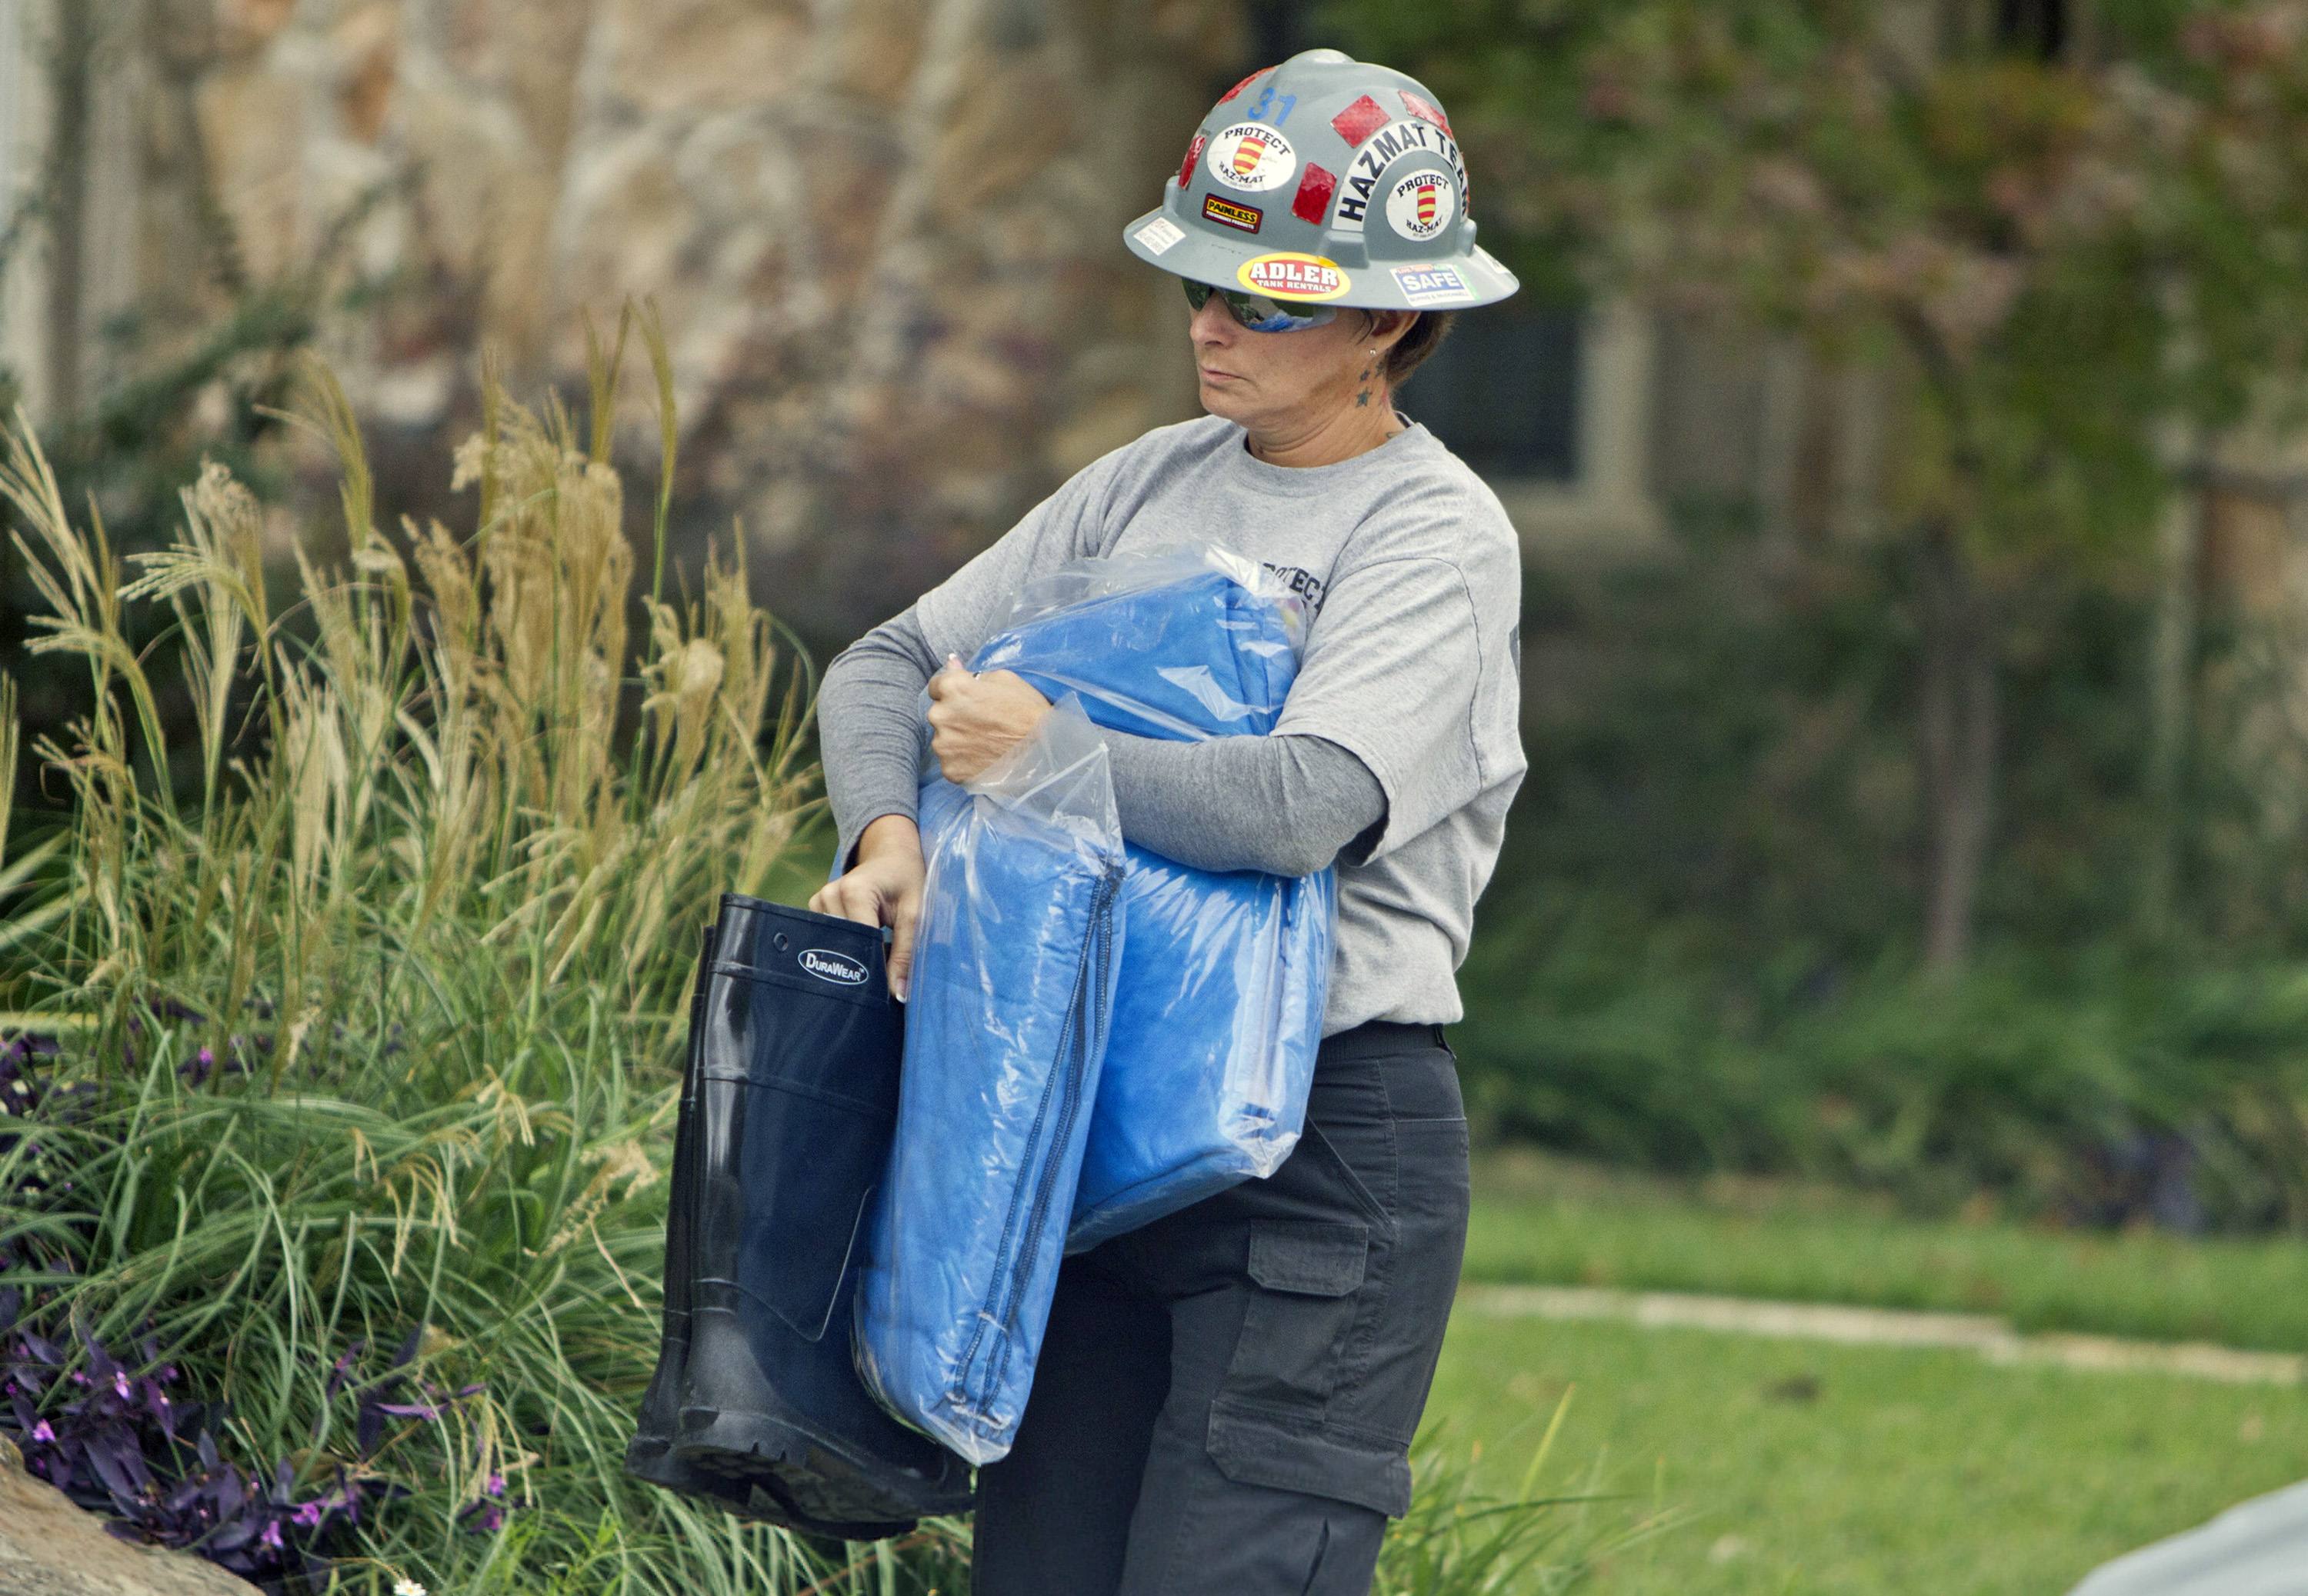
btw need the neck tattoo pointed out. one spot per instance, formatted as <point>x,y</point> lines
<point>1363,397</point>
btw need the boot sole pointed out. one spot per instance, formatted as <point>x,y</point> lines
<point>819,1478</point>
<point>651,1460</point>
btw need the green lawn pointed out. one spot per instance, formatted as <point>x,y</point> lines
<point>1810,1470</point>
<point>1803,1468</point>
<point>1547,1222</point>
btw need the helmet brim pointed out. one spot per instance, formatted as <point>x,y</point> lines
<point>1457,282</point>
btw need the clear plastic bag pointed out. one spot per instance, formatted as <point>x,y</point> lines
<point>1215,1022</point>
<point>1015,959</point>
<point>1182,641</point>
<point>1219,1010</point>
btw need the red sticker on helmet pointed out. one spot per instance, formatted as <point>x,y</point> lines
<point>1312,203</point>
<point>1186,166</point>
<point>1426,110</point>
<point>1246,83</point>
<point>1359,120</point>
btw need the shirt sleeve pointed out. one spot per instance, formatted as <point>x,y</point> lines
<point>1407,646</point>
<point>870,732</point>
<point>1284,805</point>
<point>869,729</point>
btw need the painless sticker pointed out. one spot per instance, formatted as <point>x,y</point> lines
<point>1225,211</point>
<point>1381,150</point>
<point>1160,235</point>
<point>1422,205</point>
<point>1433,285</point>
<point>1293,277</point>
<point>1253,156</point>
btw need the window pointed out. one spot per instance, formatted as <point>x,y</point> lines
<point>1502,391</point>
<point>2037,28</point>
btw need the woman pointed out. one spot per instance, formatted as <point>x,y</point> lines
<point>1225,1398</point>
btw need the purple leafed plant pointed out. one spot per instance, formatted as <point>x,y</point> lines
<point>115,1441</point>
<point>115,1438</point>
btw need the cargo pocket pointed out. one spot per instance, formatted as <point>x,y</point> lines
<point>1296,1325</point>
<point>1269,1421</point>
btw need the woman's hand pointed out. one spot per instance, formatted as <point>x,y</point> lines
<point>974,720</point>
<point>884,887</point>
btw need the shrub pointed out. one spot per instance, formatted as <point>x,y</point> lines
<point>371,1049</point>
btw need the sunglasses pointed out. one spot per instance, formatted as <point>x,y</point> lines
<point>1257,311</point>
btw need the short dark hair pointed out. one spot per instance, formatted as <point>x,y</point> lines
<point>1427,330</point>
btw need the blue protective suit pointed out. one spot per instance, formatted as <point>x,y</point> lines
<point>1015,962</point>
<point>1219,1008</point>
<point>1194,1061</point>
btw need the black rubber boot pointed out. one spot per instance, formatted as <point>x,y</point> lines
<point>796,1102</point>
<point>649,1455</point>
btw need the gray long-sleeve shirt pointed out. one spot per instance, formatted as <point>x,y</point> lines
<point>1282,804</point>
<point>1412,670</point>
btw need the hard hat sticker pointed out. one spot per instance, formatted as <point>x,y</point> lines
<point>1381,150</point>
<point>1433,285</point>
<point>1293,276</point>
<point>1253,156</point>
<point>1186,166</point>
<point>1313,200</point>
<point>1421,204</point>
<point>1359,120</point>
<point>1160,235</point>
<point>1230,214</point>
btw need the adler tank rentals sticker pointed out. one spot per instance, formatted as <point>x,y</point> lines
<point>1422,204</point>
<point>1229,214</point>
<point>1433,285</point>
<point>1253,156</point>
<point>1381,150</point>
<point>1293,276</point>
<point>1160,235</point>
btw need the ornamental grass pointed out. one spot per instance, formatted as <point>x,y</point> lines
<point>343,1015</point>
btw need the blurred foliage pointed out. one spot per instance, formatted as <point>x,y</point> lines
<point>2077,258</point>
<point>1968,854</point>
<point>1698,954</point>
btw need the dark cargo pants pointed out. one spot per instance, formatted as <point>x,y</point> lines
<point>1225,1398</point>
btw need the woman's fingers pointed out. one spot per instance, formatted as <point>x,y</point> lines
<point>944,681</point>
<point>904,920</point>
<point>852,897</point>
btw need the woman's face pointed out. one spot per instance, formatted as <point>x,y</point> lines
<point>1287,380</point>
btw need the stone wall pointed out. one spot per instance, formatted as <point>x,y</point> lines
<point>884,234</point>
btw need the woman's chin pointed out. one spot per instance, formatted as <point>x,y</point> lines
<point>1219,398</point>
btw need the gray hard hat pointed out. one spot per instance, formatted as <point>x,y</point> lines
<point>1325,179</point>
